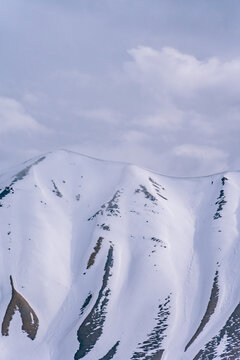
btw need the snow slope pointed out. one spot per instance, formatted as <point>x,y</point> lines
<point>110,261</point>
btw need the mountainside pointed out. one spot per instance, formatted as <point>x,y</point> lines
<point>102,260</point>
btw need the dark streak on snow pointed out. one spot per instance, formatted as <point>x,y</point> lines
<point>231,334</point>
<point>105,227</point>
<point>111,208</point>
<point>158,355</point>
<point>220,201</point>
<point>224,179</point>
<point>96,248</point>
<point>92,327</point>
<point>24,172</point>
<point>111,352</point>
<point>85,304</point>
<point>19,176</point>
<point>157,187</point>
<point>155,338</point>
<point>147,194</point>
<point>210,310</point>
<point>161,242</point>
<point>5,192</point>
<point>56,190</point>
<point>30,321</point>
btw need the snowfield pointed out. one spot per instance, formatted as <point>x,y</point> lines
<point>111,261</point>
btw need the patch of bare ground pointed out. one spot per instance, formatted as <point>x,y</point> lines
<point>198,356</point>
<point>96,248</point>
<point>85,304</point>
<point>147,194</point>
<point>30,322</point>
<point>91,328</point>
<point>111,352</point>
<point>231,335</point>
<point>210,310</point>
<point>150,349</point>
<point>158,188</point>
<point>56,190</point>
<point>158,355</point>
<point>19,176</point>
<point>111,208</point>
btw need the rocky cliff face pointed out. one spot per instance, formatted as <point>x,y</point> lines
<point>110,261</point>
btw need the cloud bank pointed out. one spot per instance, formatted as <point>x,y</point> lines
<point>14,118</point>
<point>76,76</point>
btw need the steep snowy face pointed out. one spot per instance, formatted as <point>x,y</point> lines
<point>102,260</point>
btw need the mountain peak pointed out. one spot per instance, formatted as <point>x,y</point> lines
<point>109,260</point>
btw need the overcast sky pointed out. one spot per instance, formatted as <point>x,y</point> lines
<point>152,82</point>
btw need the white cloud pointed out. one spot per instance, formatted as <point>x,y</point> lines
<point>13,117</point>
<point>76,77</point>
<point>169,70</point>
<point>183,113</point>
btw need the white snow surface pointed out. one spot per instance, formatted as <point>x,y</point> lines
<point>166,249</point>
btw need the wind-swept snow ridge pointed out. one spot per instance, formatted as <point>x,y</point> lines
<point>118,262</point>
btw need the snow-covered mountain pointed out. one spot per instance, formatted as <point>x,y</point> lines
<point>102,260</point>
